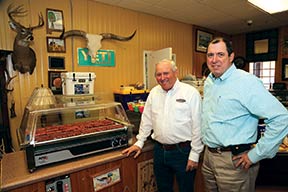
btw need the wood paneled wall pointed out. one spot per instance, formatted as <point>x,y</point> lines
<point>282,53</point>
<point>199,57</point>
<point>153,33</point>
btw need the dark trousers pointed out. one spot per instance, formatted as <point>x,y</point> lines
<point>171,163</point>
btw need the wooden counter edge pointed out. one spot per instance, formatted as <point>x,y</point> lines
<point>15,174</point>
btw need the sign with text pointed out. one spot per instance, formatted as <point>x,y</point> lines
<point>104,58</point>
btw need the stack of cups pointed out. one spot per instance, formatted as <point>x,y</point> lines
<point>136,106</point>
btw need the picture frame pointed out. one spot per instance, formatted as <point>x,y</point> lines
<point>202,40</point>
<point>284,69</point>
<point>54,20</point>
<point>57,63</point>
<point>270,40</point>
<point>55,82</point>
<point>106,178</point>
<point>56,45</point>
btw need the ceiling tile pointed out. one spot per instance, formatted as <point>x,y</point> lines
<point>227,16</point>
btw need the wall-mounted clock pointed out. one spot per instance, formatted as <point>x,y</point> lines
<point>239,62</point>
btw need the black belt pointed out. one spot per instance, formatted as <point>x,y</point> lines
<point>235,149</point>
<point>219,149</point>
<point>174,146</point>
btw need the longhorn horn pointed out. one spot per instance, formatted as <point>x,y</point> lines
<point>117,37</point>
<point>73,33</point>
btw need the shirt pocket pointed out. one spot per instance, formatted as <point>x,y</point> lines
<point>181,111</point>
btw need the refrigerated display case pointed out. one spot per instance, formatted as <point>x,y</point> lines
<point>69,127</point>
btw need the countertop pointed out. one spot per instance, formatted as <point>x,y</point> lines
<point>15,173</point>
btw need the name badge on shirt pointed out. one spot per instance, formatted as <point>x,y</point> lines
<point>181,100</point>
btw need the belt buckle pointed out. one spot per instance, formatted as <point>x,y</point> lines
<point>218,149</point>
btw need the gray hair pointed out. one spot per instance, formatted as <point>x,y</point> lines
<point>172,63</point>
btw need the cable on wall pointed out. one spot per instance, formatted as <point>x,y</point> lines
<point>72,27</point>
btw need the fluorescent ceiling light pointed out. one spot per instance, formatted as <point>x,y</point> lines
<point>271,6</point>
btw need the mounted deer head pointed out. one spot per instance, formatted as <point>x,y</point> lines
<point>23,57</point>
<point>94,40</point>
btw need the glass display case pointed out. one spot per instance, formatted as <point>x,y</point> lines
<point>68,127</point>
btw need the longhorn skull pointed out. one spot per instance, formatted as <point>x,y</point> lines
<point>94,40</point>
<point>23,57</point>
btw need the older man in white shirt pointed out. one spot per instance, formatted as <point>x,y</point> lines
<point>173,112</point>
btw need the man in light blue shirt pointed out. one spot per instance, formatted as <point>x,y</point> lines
<point>234,101</point>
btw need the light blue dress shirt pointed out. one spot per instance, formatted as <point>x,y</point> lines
<point>232,106</point>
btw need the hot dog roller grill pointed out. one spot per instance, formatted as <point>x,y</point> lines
<point>55,129</point>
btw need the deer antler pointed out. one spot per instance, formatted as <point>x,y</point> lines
<point>40,22</point>
<point>18,12</point>
<point>23,57</point>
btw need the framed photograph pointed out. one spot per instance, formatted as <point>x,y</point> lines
<point>202,40</point>
<point>284,69</point>
<point>55,82</point>
<point>55,44</point>
<point>57,63</point>
<point>55,20</point>
<point>262,46</point>
<point>106,178</point>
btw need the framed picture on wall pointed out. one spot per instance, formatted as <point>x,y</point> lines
<point>55,44</point>
<point>284,69</point>
<point>202,40</point>
<point>262,45</point>
<point>55,20</point>
<point>57,63</point>
<point>55,82</point>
